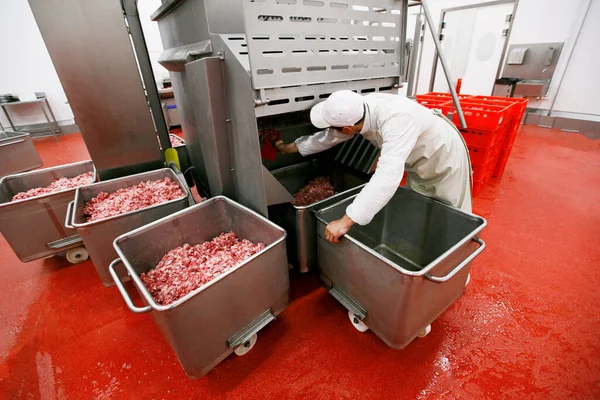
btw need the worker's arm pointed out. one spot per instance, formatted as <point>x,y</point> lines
<point>400,134</point>
<point>286,148</point>
<point>311,144</point>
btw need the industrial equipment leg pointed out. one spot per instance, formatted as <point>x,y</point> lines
<point>53,117</point>
<point>141,51</point>
<point>445,68</point>
<point>414,57</point>
<point>10,121</point>
<point>49,122</point>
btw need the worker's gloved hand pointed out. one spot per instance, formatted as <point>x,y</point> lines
<point>286,148</point>
<point>338,228</point>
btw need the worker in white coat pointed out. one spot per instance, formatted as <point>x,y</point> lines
<point>410,136</point>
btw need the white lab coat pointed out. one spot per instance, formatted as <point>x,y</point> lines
<point>411,137</point>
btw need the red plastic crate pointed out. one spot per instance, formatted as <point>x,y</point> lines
<point>479,184</point>
<point>521,104</point>
<point>501,163</point>
<point>511,114</point>
<point>482,171</point>
<point>511,136</point>
<point>484,139</point>
<point>430,102</point>
<point>447,96</point>
<point>482,156</point>
<point>485,117</point>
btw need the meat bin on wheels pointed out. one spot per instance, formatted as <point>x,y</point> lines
<point>223,316</point>
<point>397,274</point>
<point>99,235</point>
<point>17,152</point>
<point>299,221</point>
<point>34,227</point>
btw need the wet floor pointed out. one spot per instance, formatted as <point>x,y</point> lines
<point>527,326</point>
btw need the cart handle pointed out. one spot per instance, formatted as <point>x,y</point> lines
<point>460,266</point>
<point>124,294</point>
<point>15,142</point>
<point>68,216</point>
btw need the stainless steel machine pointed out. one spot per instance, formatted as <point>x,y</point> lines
<point>244,69</point>
<point>240,71</point>
<point>90,43</point>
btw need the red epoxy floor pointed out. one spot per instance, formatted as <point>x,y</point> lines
<point>528,326</point>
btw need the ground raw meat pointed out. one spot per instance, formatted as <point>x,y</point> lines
<point>318,189</point>
<point>176,140</point>
<point>186,268</point>
<point>142,195</point>
<point>56,186</point>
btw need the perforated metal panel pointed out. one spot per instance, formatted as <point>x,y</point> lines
<point>296,42</point>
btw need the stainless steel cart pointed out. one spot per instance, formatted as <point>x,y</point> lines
<point>99,235</point>
<point>224,316</point>
<point>17,153</point>
<point>34,227</point>
<point>397,274</point>
<point>299,221</point>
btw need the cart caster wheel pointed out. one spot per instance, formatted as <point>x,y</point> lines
<point>425,331</point>
<point>77,255</point>
<point>246,346</point>
<point>468,280</point>
<point>357,323</point>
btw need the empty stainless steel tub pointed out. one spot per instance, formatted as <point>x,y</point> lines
<point>17,153</point>
<point>299,221</point>
<point>99,235</point>
<point>34,227</point>
<point>213,321</point>
<point>400,272</point>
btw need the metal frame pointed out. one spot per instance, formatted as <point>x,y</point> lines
<point>438,45</point>
<point>40,102</point>
<point>436,54</point>
<point>134,24</point>
<point>291,43</point>
<point>414,62</point>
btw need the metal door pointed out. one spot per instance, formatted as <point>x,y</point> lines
<point>474,41</point>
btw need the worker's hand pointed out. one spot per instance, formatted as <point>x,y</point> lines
<point>338,228</point>
<point>286,148</point>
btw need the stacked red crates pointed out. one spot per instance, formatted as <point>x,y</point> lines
<point>492,126</point>
<point>519,107</point>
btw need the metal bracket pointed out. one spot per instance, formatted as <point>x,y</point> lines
<point>69,241</point>
<point>348,302</point>
<point>245,334</point>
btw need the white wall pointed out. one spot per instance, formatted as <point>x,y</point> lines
<point>539,21</point>
<point>29,68</point>
<point>25,65</point>
<point>155,48</point>
<point>580,89</point>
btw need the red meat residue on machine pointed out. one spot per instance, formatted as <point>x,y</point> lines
<point>142,195</point>
<point>186,268</point>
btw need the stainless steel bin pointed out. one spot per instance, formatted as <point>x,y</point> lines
<point>17,153</point>
<point>208,324</point>
<point>400,272</point>
<point>99,235</point>
<point>34,227</point>
<point>299,221</point>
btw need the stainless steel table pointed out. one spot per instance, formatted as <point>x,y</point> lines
<point>54,127</point>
